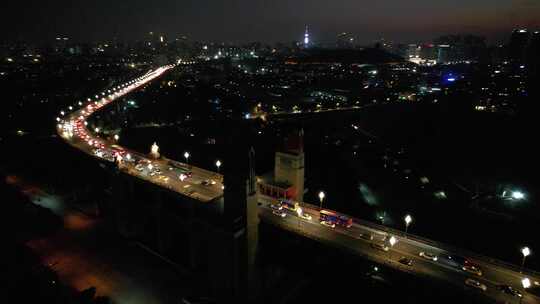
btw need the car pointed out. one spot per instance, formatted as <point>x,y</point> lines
<point>429,256</point>
<point>279,213</point>
<point>455,260</point>
<point>475,284</point>
<point>163,178</point>
<point>276,206</point>
<point>509,290</point>
<point>305,216</point>
<point>328,224</point>
<point>367,236</point>
<point>472,268</point>
<point>405,261</point>
<point>380,246</point>
<point>208,182</point>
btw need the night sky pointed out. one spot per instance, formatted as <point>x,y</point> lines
<point>264,20</point>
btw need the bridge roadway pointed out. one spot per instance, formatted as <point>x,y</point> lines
<point>194,182</point>
<point>207,186</point>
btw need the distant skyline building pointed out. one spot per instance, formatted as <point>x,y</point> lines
<point>519,41</point>
<point>306,37</point>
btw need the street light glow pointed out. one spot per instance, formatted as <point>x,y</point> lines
<point>518,195</point>
<point>321,195</point>
<point>526,283</point>
<point>525,251</point>
<point>218,164</point>
<point>408,219</point>
<point>392,241</point>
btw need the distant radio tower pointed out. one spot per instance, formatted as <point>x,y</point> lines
<point>306,37</point>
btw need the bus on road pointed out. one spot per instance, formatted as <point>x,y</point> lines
<point>333,218</point>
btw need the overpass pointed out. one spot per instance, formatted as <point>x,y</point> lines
<point>363,238</point>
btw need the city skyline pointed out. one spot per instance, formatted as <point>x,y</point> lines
<point>242,21</point>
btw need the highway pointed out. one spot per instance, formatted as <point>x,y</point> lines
<point>406,246</point>
<point>206,186</point>
<point>197,183</point>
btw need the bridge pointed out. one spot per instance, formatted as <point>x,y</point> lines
<point>378,243</point>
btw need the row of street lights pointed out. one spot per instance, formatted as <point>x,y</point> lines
<point>525,251</point>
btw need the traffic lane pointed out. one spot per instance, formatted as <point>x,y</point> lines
<point>490,271</point>
<point>499,274</point>
<point>178,186</point>
<point>489,268</point>
<point>420,266</point>
<point>490,274</point>
<point>198,176</point>
<point>195,190</point>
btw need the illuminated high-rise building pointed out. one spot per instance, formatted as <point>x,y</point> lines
<point>306,38</point>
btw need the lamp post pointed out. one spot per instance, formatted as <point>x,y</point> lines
<point>218,164</point>
<point>321,198</point>
<point>381,217</point>
<point>518,195</point>
<point>408,220</point>
<point>392,241</point>
<point>525,251</point>
<point>154,151</point>
<point>526,283</point>
<point>186,156</point>
<point>299,212</point>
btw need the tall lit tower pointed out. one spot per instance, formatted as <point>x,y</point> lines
<point>306,37</point>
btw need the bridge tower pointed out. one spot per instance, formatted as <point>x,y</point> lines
<point>289,165</point>
<point>234,280</point>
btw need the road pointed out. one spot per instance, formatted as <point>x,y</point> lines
<point>197,183</point>
<point>442,269</point>
<point>207,186</point>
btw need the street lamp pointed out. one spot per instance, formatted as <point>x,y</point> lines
<point>526,283</point>
<point>154,150</point>
<point>392,242</point>
<point>321,198</point>
<point>116,137</point>
<point>408,220</point>
<point>218,164</point>
<point>525,251</point>
<point>518,195</point>
<point>186,156</point>
<point>299,212</point>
